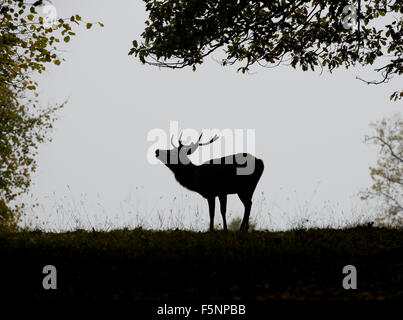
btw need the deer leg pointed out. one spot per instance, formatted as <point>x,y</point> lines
<point>247,202</point>
<point>223,208</point>
<point>211,207</point>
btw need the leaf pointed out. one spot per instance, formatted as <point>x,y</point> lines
<point>89,25</point>
<point>66,39</point>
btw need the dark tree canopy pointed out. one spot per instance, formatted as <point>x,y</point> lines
<point>305,33</point>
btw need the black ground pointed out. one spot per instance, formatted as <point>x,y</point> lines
<point>180,265</point>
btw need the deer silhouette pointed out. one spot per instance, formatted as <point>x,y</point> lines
<point>216,177</point>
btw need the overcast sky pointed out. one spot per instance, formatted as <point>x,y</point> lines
<point>309,130</point>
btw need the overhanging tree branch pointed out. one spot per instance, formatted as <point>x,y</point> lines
<point>308,32</point>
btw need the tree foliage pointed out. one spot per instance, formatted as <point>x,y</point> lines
<point>27,44</point>
<point>387,176</point>
<point>308,34</point>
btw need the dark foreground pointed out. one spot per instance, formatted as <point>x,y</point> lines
<point>178,265</point>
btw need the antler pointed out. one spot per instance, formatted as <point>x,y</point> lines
<point>208,142</point>
<point>179,141</point>
<point>193,145</point>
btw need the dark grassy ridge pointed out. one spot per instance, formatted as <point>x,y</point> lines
<point>141,264</point>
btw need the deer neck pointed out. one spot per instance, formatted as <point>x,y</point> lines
<point>185,174</point>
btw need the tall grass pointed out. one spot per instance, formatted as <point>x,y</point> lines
<point>186,211</point>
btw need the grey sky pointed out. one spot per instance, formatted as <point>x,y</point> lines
<point>309,127</point>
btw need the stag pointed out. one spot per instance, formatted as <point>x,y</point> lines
<point>214,178</point>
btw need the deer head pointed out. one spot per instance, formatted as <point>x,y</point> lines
<point>179,154</point>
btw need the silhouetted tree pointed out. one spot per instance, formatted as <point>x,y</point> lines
<point>27,44</point>
<point>309,34</point>
<point>387,176</point>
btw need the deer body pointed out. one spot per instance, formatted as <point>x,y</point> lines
<point>215,178</point>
